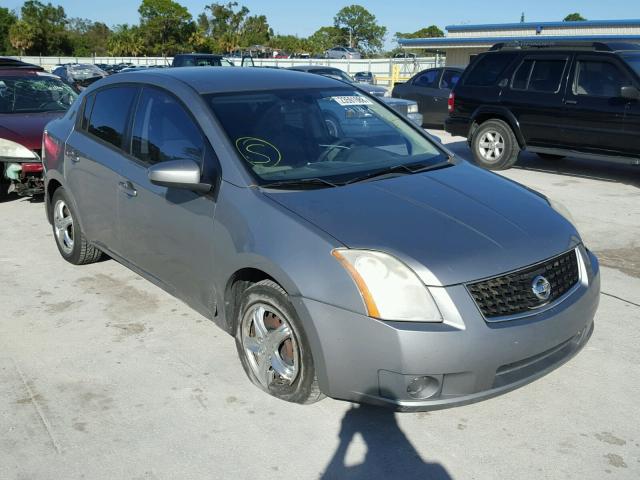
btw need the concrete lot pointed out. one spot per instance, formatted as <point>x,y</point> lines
<point>104,376</point>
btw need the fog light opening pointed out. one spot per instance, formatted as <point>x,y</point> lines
<point>423,387</point>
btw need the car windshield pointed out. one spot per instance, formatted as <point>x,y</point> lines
<point>353,50</point>
<point>633,59</point>
<point>82,72</point>
<point>330,135</point>
<point>28,94</point>
<point>333,73</point>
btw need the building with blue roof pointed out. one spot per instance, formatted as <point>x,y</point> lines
<point>464,41</point>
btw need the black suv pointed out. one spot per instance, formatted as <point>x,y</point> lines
<point>554,99</point>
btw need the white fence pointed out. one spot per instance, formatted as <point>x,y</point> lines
<point>386,70</point>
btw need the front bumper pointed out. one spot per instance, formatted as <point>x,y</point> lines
<point>466,359</point>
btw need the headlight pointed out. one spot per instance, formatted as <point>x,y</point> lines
<point>389,289</point>
<point>9,149</point>
<point>412,108</point>
<point>561,209</point>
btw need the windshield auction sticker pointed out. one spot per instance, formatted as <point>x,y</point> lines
<point>348,101</point>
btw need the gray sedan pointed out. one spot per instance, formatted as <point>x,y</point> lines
<point>370,266</point>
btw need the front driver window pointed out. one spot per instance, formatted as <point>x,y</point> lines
<point>164,131</point>
<point>599,79</point>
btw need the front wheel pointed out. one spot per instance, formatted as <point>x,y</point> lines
<point>494,145</point>
<point>272,345</point>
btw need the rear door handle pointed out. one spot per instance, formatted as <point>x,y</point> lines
<point>128,189</point>
<point>571,102</point>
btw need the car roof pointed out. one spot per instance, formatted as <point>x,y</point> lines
<point>213,55</point>
<point>14,64</point>
<point>227,80</point>
<point>311,68</point>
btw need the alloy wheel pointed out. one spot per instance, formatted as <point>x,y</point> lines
<point>270,346</point>
<point>63,226</point>
<point>491,146</point>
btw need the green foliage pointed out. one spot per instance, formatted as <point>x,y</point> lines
<point>165,26</point>
<point>48,25</point>
<point>325,38</point>
<point>22,36</point>
<point>427,32</point>
<point>126,41</point>
<point>88,38</point>
<point>7,18</point>
<point>361,27</point>
<point>574,17</point>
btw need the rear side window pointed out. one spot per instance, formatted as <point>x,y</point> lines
<point>487,71</point>
<point>599,79</point>
<point>110,113</point>
<point>539,75</point>
<point>427,79</point>
<point>163,130</point>
<point>449,79</point>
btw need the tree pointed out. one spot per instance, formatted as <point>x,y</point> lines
<point>427,32</point>
<point>360,27</point>
<point>87,37</point>
<point>166,26</point>
<point>7,18</point>
<point>47,23</point>
<point>224,25</point>
<point>22,36</point>
<point>255,31</point>
<point>325,38</point>
<point>574,17</point>
<point>126,41</point>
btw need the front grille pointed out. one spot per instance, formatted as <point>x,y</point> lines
<point>512,294</point>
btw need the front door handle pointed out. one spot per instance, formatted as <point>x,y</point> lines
<point>128,188</point>
<point>571,102</point>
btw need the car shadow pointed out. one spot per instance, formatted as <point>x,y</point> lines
<point>390,454</point>
<point>569,166</point>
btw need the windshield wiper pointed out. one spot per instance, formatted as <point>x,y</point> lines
<point>300,183</point>
<point>402,168</point>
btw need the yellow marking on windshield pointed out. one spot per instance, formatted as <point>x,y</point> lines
<point>258,151</point>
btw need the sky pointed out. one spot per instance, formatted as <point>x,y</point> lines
<point>303,17</point>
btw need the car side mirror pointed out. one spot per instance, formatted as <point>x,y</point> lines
<point>630,93</point>
<point>503,83</point>
<point>178,174</point>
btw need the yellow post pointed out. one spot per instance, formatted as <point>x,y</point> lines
<point>395,75</point>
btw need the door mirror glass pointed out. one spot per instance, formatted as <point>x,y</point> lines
<point>178,174</point>
<point>629,92</point>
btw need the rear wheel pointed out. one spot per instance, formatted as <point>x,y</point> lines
<point>549,156</point>
<point>272,345</point>
<point>494,145</point>
<point>70,240</point>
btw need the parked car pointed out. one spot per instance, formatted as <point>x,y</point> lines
<point>411,56</point>
<point>373,269</point>
<point>79,75</point>
<point>554,99</point>
<point>343,52</point>
<point>430,89</point>
<point>365,77</point>
<point>29,99</point>
<point>200,60</point>
<point>405,107</point>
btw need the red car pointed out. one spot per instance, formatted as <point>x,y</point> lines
<point>29,99</point>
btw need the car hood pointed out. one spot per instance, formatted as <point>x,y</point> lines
<point>452,225</point>
<point>26,128</point>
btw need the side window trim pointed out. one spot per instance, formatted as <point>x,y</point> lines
<point>445,70</point>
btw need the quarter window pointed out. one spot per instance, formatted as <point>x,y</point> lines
<point>599,79</point>
<point>164,131</point>
<point>541,75</point>
<point>110,114</point>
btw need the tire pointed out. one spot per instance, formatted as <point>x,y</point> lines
<point>70,240</point>
<point>494,145</point>
<point>549,156</point>
<point>333,125</point>
<point>281,347</point>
